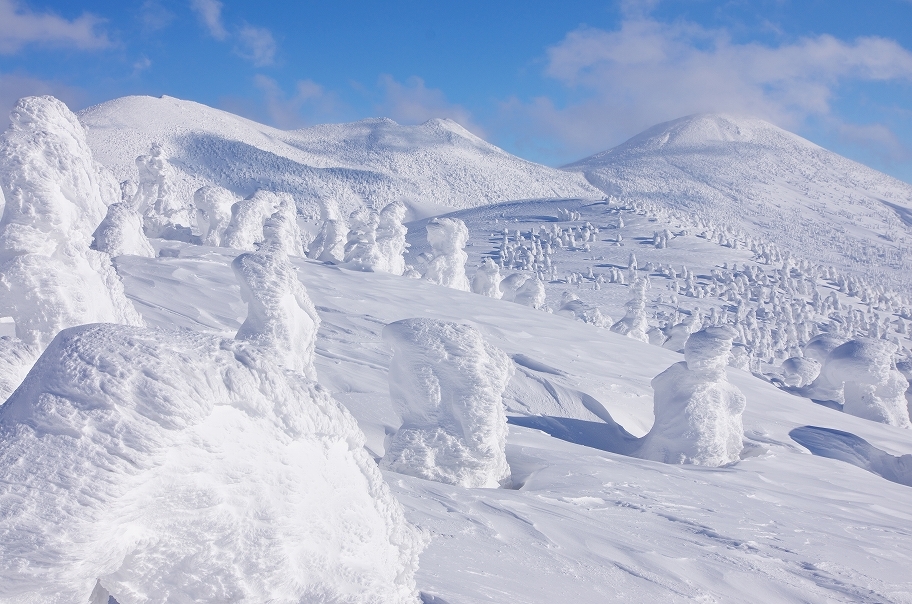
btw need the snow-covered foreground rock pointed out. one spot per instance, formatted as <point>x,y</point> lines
<point>585,520</point>
<point>447,384</point>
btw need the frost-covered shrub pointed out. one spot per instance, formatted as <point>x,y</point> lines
<point>213,213</point>
<point>872,387</point>
<point>634,324</point>
<point>249,215</point>
<point>280,315</point>
<point>572,306</point>
<point>486,281</point>
<point>56,195</point>
<point>448,237</point>
<point>164,214</point>
<point>447,384</point>
<point>531,293</point>
<point>697,411</point>
<point>175,466</point>
<point>121,233</point>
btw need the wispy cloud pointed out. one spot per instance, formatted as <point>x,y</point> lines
<point>412,102</point>
<point>20,26</point>
<point>309,103</point>
<point>257,45</point>
<point>623,81</point>
<point>141,64</point>
<point>210,13</point>
<point>154,16</point>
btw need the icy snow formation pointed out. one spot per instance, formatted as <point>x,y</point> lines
<point>486,281</point>
<point>121,232</point>
<point>391,233</point>
<point>447,384</point>
<point>572,306</point>
<point>800,371</point>
<point>872,387</point>
<point>447,237</point>
<point>245,230</point>
<point>164,214</point>
<point>634,324</point>
<point>697,411</point>
<point>280,315</point>
<point>174,466</point>
<point>56,195</point>
<point>213,213</point>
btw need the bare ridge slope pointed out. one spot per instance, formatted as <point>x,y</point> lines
<point>752,175</point>
<point>374,161</point>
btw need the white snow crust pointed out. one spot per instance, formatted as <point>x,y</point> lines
<point>447,384</point>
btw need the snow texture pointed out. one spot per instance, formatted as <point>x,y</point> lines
<point>872,386</point>
<point>280,315</point>
<point>179,467</point>
<point>56,195</point>
<point>213,213</point>
<point>121,232</point>
<point>447,238</point>
<point>697,411</point>
<point>245,231</point>
<point>447,384</point>
<point>15,361</point>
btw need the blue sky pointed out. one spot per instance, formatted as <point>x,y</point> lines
<point>551,82</point>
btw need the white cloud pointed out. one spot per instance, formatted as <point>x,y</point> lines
<point>141,64</point>
<point>414,103</point>
<point>14,86</point>
<point>257,45</point>
<point>647,72</point>
<point>309,103</point>
<point>20,26</point>
<point>154,16</point>
<point>210,13</point>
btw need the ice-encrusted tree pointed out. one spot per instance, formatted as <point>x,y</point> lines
<point>245,230</point>
<point>56,195</point>
<point>872,386</point>
<point>447,384</point>
<point>697,411</point>
<point>634,324</point>
<point>486,281</point>
<point>446,267</point>
<point>391,242</point>
<point>121,232</point>
<point>164,214</point>
<point>213,213</point>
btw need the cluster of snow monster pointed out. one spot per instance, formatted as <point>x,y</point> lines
<point>152,465</point>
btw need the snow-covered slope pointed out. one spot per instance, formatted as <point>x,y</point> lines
<point>771,183</point>
<point>374,161</point>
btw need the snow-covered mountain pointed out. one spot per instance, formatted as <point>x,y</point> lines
<point>373,162</point>
<point>268,424</point>
<point>752,175</point>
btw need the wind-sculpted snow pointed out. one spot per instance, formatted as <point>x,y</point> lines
<point>15,360</point>
<point>213,213</point>
<point>280,315</point>
<point>447,384</point>
<point>180,467</point>
<point>753,176</point>
<point>369,163</point>
<point>697,411</point>
<point>121,232</point>
<point>248,216</point>
<point>446,266</point>
<point>56,195</point>
<point>872,386</point>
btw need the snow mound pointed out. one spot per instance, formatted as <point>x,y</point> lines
<point>697,411</point>
<point>447,384</point>
<point>486,281</point>
<point>447,237</point>
<point>753,176</point>
<point>15,360</point>
<point>872,386</point>
<point>370,163</point>
<point>56,195</point>
<point>174,466</point>
<point>280,315</point>
<point>572,306</point>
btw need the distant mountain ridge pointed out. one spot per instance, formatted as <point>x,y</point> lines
<point>772,183</point>
<point>373,161</point>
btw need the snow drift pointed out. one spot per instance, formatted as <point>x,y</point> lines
<point>447,384</point>
<point>697,411</point>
